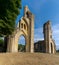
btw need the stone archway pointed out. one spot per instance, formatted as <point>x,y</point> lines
<point>13,42</point>
<point>51,48</point>
<point>25,27</point>
<point>26,39</point>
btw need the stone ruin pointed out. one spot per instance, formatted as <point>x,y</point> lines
<point>25,27</point>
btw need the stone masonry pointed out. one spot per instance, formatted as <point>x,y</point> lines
<point>48,44</point>
<point>25,27</point>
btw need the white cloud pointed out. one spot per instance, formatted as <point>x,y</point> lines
<point>38,34</point>
<point>55,33</point>
<point>57,47</point>
<point>55,29</point>
<point>37,39</point>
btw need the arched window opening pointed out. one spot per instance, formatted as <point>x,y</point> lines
<point>28,14</point>
<point>24,26</point>
<point>21,44</point>
<point>21,25</point>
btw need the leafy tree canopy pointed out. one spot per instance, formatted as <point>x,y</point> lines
<point>1,42</point>
<point>21,48</point>
<point>9,9</point>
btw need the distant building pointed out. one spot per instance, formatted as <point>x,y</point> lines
<point>39,46</point>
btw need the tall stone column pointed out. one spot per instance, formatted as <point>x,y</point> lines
<point>30,17</point>
<point>32,34</point>
<point>11,44</point>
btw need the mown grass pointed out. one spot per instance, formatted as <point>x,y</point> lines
<point>29,59</point>
<point>57,53</point>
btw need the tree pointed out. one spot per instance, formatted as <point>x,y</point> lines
<point>58,50</point>
<point>21,47</point>
<point>1,42</point>
<point>1,45</point>
<point>9,9</point>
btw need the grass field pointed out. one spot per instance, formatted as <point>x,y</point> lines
<point>29,59</point>
<point>57,53</point>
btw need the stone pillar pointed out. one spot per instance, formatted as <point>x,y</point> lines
<point>11,44</point>
<point>32,34</point>
<point>46,37</point>
<point>27,44</point>
<point>30,17</point>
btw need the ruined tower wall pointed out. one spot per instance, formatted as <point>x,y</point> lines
<point>49,44</point>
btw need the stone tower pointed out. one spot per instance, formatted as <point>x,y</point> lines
<point>49,42</point>
<point>25,27</point>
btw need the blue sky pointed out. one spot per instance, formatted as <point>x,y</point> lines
<point>43,11</point>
